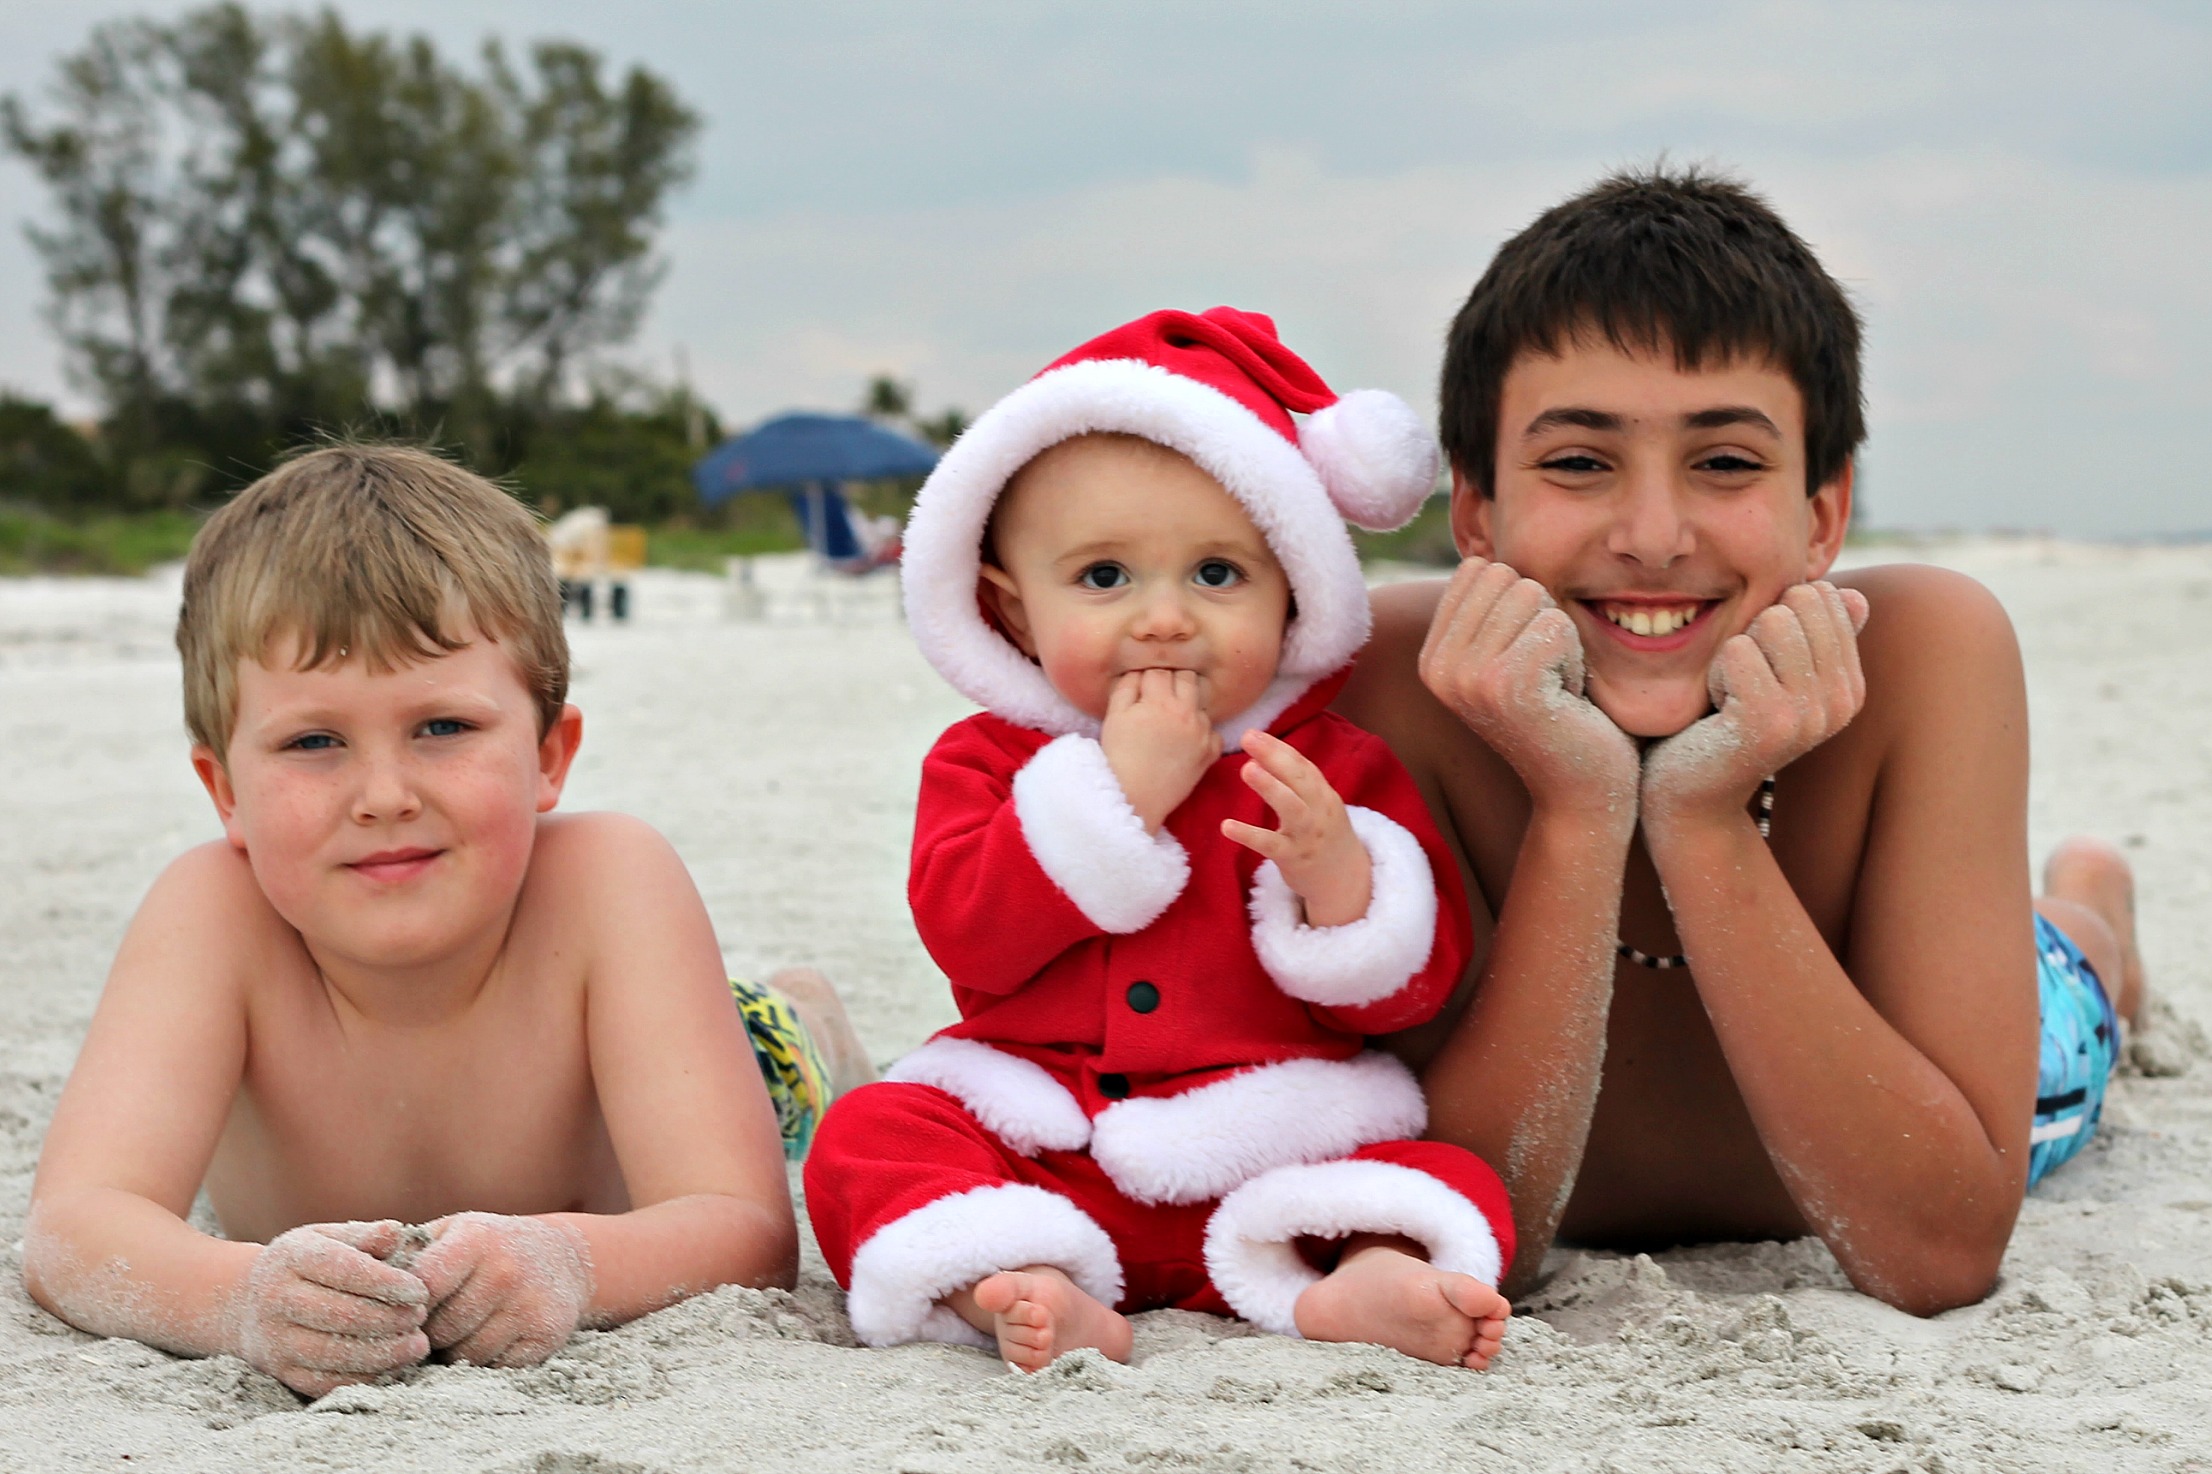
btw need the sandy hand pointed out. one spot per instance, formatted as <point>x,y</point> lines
<point>1784,686</point>
<point>319,1309</point>
<point>1320,858</point>
<point>1158,740</point>
<point>1506,660</point>
<point>504,1291</point>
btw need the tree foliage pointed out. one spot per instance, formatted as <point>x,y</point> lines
<point>271,227</point>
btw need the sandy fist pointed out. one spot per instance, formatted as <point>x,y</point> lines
<point>504,1291</point>
<point>319,1309</point>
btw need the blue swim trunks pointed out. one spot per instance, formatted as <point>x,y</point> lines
<point>2081,1043</point>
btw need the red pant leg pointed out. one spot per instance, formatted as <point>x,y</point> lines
<point>1442,1197</point>
<point>912,1198</point>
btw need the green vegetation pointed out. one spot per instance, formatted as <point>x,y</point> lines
<point>269,229</point>
<point>122,543</point>
<point>1426,539</point>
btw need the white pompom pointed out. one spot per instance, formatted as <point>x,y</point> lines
<point>1377,458</point>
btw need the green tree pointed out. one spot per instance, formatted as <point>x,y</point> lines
<point>274,226</point>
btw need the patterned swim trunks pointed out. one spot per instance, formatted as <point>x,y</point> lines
<point>790,1065</point>
<point>2081,1044</point>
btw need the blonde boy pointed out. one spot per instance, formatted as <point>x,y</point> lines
<point>400,990</point>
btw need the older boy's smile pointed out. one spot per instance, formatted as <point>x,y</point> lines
<point>1651,623</point>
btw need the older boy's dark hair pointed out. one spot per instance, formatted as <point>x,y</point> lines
<point>1656,260</point>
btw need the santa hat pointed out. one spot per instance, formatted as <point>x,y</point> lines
<point>1220,388</point>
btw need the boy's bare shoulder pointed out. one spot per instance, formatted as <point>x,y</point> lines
<point>595,870</point>
<point>210,889</point>
<point>1402,613</point>
<point>1934,639</point>
<point>1385,694</point>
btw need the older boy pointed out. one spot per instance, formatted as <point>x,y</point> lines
<point>1686,1028</point>
<point>400,990</point>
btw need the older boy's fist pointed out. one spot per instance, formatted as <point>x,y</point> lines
<point>504,1291</point>
<point>319,1309</point>
<point>1784,686</point>
<point>1158,739</point>
<point>1505,659</point>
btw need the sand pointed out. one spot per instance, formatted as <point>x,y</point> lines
<point>780,758</point>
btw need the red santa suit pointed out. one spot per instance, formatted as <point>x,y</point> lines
<point>1159,1082</point>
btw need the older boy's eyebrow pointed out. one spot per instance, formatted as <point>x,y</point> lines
<point>1723,416</point>
<point>1575,417</point>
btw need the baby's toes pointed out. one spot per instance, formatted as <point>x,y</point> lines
<point>1027,1314</point>
<point>1028,1337</point>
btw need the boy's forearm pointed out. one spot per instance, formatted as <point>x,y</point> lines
<point>1881,1151</point>
<point>650,1258</point>
<point>1517,1081</point>
<point>116,1264</point>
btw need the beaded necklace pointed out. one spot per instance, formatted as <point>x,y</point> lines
<point>1664,964</point>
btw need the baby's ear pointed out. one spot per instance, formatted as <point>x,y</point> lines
<point>1000,599</point>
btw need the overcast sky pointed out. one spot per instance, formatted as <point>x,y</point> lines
<point>2019,195</point>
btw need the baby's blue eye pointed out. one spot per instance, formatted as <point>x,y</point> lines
<point>444,727</point>
<point>1214,573</point>
<point>1103,576</point>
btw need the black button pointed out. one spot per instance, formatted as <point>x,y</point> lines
<point>1143,997</point>
<point>1114,1087</point>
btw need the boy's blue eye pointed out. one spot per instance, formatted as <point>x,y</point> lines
<point>444,727</point>
<point>1103,576</point>
<point>313,742</point>
<point>1215,573</point>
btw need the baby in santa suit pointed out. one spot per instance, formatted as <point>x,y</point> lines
<point>1173,892</point>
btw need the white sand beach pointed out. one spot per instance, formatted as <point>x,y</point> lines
<point>781,759</point>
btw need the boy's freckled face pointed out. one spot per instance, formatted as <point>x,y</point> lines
<point>1662,507</point>
<point>389,816</point>
<point>1117,556</point>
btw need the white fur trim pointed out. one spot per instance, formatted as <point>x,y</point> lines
<point>1251,1249</point>
<point>911,1263</point>
<point>1016,1098</point>
<point>1082,831</point>
<point>1267,475</point>
<point>1361,961</point>
<point>1198,1145</point>
<point>1378,458</point>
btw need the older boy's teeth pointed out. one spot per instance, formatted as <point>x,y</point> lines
<point>1652,621</point>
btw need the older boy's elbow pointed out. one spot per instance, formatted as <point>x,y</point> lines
<point>1932,1279</point>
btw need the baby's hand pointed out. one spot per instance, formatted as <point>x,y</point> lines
<point>1321,859</point>
<point>504,1291</point>
<point>1784,686</point>
<point>319,1310</point>
<point>1158,740</point>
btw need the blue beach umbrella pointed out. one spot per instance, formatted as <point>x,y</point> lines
<point>806,455</point>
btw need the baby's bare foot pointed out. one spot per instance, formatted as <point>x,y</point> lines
<point>1390,1298</point>
<point>1039,1314</point>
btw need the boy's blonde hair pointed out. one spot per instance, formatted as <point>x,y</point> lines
<point>385,551</point>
